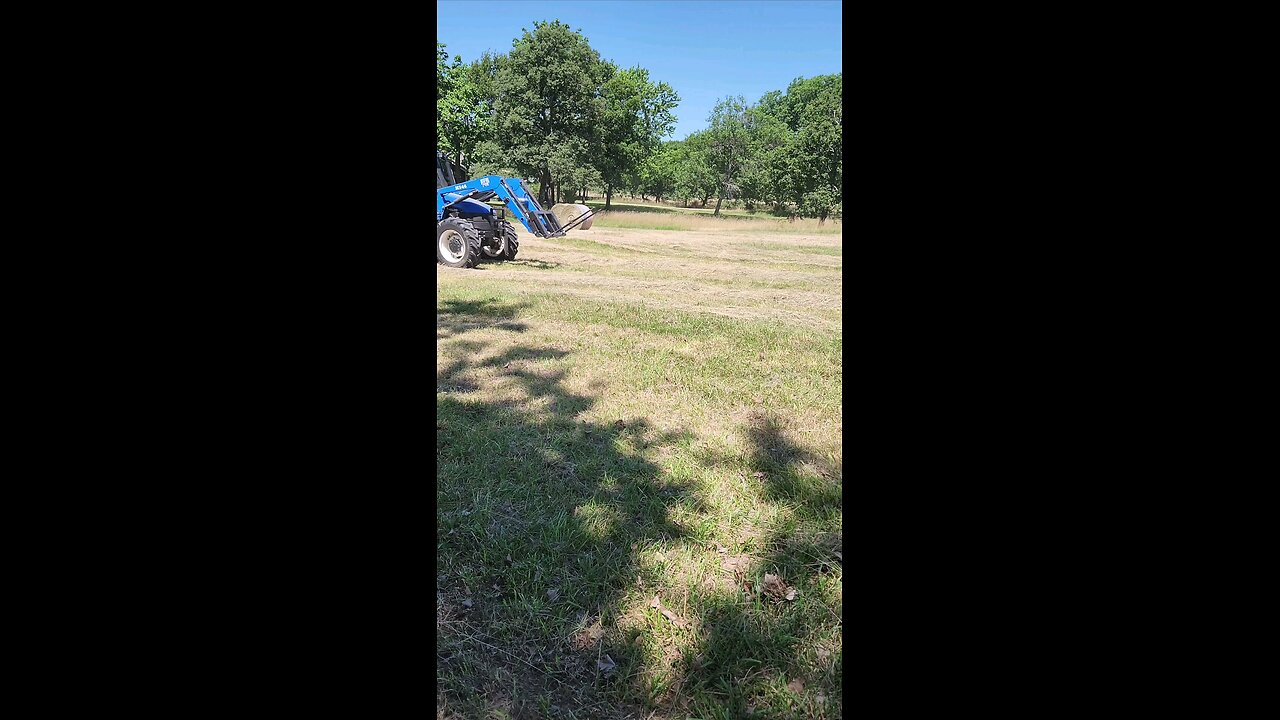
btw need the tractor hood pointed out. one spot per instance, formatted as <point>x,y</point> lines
<point>468,206</point>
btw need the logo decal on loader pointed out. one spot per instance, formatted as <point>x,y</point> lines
<point>459,187</point>
<point>484,182</point>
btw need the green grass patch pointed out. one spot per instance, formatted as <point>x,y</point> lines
<point>590,245</point>
<point>708,223</point>
<point>836,251</point>
<point>593,454</point>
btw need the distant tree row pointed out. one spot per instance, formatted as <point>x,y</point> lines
<point>784,151</point>
<point>552,109</point>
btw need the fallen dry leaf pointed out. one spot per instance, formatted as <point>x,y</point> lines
<point>554,594</point>
<point>796,686</point>
<point>467,603</point>
<point>720,548</point>
<point>773,585</point>
<point>657,605</point>
<point>588,637</point>
<point>758,474</point>
<point>606,665</point>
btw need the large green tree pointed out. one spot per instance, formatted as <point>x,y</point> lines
<point>813,111</point>
<point>763,177</point>
<point>657,173</point>
<point>732,123</point>
<point>487,156</point>
<point>696,174</point>
<point>636,115</point>
<point>442,70</point>
<point>548,103</point>
<point>463,114</point>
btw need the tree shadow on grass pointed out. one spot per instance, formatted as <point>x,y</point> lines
<point>525,263</point>
<point>547,518</point>
<point>454,317</point>
<point>540,513</point>
<point>763,655</point>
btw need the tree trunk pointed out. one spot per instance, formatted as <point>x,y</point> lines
<point>643,198</point>
<point>544,188</point>
<point>724,187</point>
<point>822,217</point>
<point>608,196</point>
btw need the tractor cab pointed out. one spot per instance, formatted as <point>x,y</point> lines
<point>449,173</point>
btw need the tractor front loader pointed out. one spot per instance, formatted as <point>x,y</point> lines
<point>469,229</point>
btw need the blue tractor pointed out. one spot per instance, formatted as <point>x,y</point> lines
<point>469,228</point>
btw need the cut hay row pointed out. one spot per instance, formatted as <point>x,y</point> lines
<point>656,221</point>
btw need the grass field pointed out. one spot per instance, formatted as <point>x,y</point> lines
<point>732,223</point>
<point>630,415</point>
<point>652,206</point>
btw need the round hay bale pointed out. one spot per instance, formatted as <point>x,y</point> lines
<point>567,213</point>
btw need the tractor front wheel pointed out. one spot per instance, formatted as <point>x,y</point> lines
<point>512,244</point>
<point>457,244</point>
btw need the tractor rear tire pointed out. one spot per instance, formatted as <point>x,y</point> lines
<point>457,244</point>
<point>512,244</point>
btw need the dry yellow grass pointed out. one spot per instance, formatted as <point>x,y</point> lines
<point>792,281</point>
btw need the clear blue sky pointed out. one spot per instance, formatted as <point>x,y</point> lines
<point>705,50</point>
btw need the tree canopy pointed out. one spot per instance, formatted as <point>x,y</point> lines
<point>553,109</point>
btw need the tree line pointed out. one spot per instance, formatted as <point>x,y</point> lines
<point>552,109</point>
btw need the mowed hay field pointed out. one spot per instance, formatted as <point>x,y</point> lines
<point>634,416</point>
